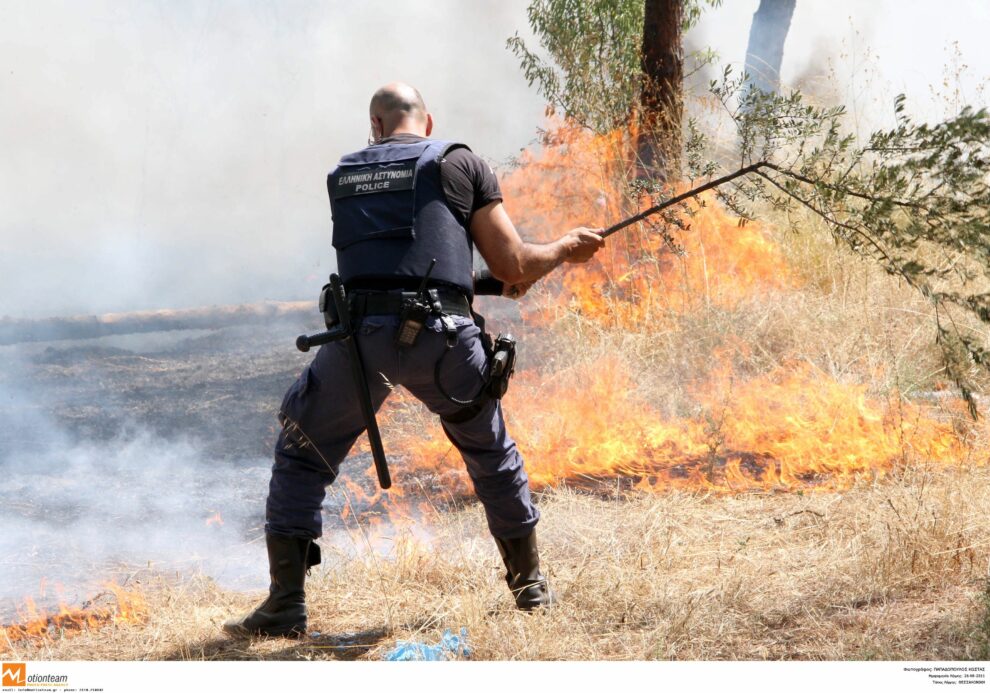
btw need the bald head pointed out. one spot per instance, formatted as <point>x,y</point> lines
<point>398,108</point>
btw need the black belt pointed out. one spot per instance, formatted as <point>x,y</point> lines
<point>390,303</point>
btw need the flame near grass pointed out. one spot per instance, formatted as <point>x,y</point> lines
<point>790,427</point>
<point>591,422</point>
<point>36,625</point>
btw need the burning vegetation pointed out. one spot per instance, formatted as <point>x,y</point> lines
<point>748,411</point>
<point>718,359</point>
<point>37,626</point>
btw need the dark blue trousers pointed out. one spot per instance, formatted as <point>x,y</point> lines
<point>322,420</point>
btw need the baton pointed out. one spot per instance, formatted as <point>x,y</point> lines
<point>344,330</point>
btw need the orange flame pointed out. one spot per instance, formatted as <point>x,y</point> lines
<point>790,429</point>
<point>215,520</point>
<point>581,179</point>
<point>787,429</point>
<point>38,625</point>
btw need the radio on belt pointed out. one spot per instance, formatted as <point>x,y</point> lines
<point>415,311</point>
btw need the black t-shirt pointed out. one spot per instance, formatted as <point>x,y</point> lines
<point>468,182</point>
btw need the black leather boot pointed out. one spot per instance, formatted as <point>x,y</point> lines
<point>522,572</point>
<point>284,612</point>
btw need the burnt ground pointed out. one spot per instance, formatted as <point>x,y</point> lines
<point>222,387</point>
<point>132,452</point>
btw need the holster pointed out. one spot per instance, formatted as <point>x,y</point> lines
<point>328,307</point>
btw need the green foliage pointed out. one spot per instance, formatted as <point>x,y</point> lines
<point>593,73</point>
<point>693,10</point>
<point>915,199</point>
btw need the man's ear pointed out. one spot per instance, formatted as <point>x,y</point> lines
<point>429,124</point>
<point>376,128</point>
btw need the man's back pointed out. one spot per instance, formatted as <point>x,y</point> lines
<point>391,218</point>
<point>398,205</point>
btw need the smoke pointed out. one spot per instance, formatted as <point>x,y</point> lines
<point>863,54</point>
<point>150,452</point>
<point>89,512</point>
<point>77,512</point>
<point>175,154</point>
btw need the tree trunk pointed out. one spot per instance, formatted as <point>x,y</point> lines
<point>659,146</point>
<point>765,52</point>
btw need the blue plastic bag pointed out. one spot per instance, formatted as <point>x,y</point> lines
<point>450,645</point>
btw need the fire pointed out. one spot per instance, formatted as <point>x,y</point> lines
<point>215,520</point>
<point>37,625</point>
<point>786,429</point>
<point>580,179</point>
<point>721,264</point>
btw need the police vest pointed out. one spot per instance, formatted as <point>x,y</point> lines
<point>391,217</point>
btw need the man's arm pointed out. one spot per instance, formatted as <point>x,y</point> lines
<point>515,261</point>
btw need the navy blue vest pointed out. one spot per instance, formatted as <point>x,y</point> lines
<point>391,218</point>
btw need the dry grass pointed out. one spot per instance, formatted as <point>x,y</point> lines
<point>893,570</point>
<point>843,315</point>
<point>889,569</point>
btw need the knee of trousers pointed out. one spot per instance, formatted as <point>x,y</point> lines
<point>301,457</point>
<point>497,477</point>
<point>511,516</point>
<point>296,491</point>
<point>298,480</point>
<point>506,497</point>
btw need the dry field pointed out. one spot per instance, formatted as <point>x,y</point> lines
<point>888,570</point>
<point>746,451</point>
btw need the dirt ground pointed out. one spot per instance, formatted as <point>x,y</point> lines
<point>890,569</point>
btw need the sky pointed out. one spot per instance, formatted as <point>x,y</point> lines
<point>171,153</point>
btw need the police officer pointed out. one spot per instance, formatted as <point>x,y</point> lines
<point>396,205</point>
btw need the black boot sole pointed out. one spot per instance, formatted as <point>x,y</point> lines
<point>238,631</point>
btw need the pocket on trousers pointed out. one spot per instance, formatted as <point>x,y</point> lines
<point>371,325</point>
<point>464,368</point>
<point>309,382</point>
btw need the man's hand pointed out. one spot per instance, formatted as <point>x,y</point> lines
<point>581,244</point>
<point>517,291</point>
<point>577,245</point>
<point>515,262</point>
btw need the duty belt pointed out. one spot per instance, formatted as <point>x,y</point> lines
<point>390,303</point>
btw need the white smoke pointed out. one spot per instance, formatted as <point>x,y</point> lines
<point>175,154</point>
<point>862,54</point>
<point>96,483</point>
<point>76,513</point>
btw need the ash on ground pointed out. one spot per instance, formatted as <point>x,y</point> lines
<point>139,452</point>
